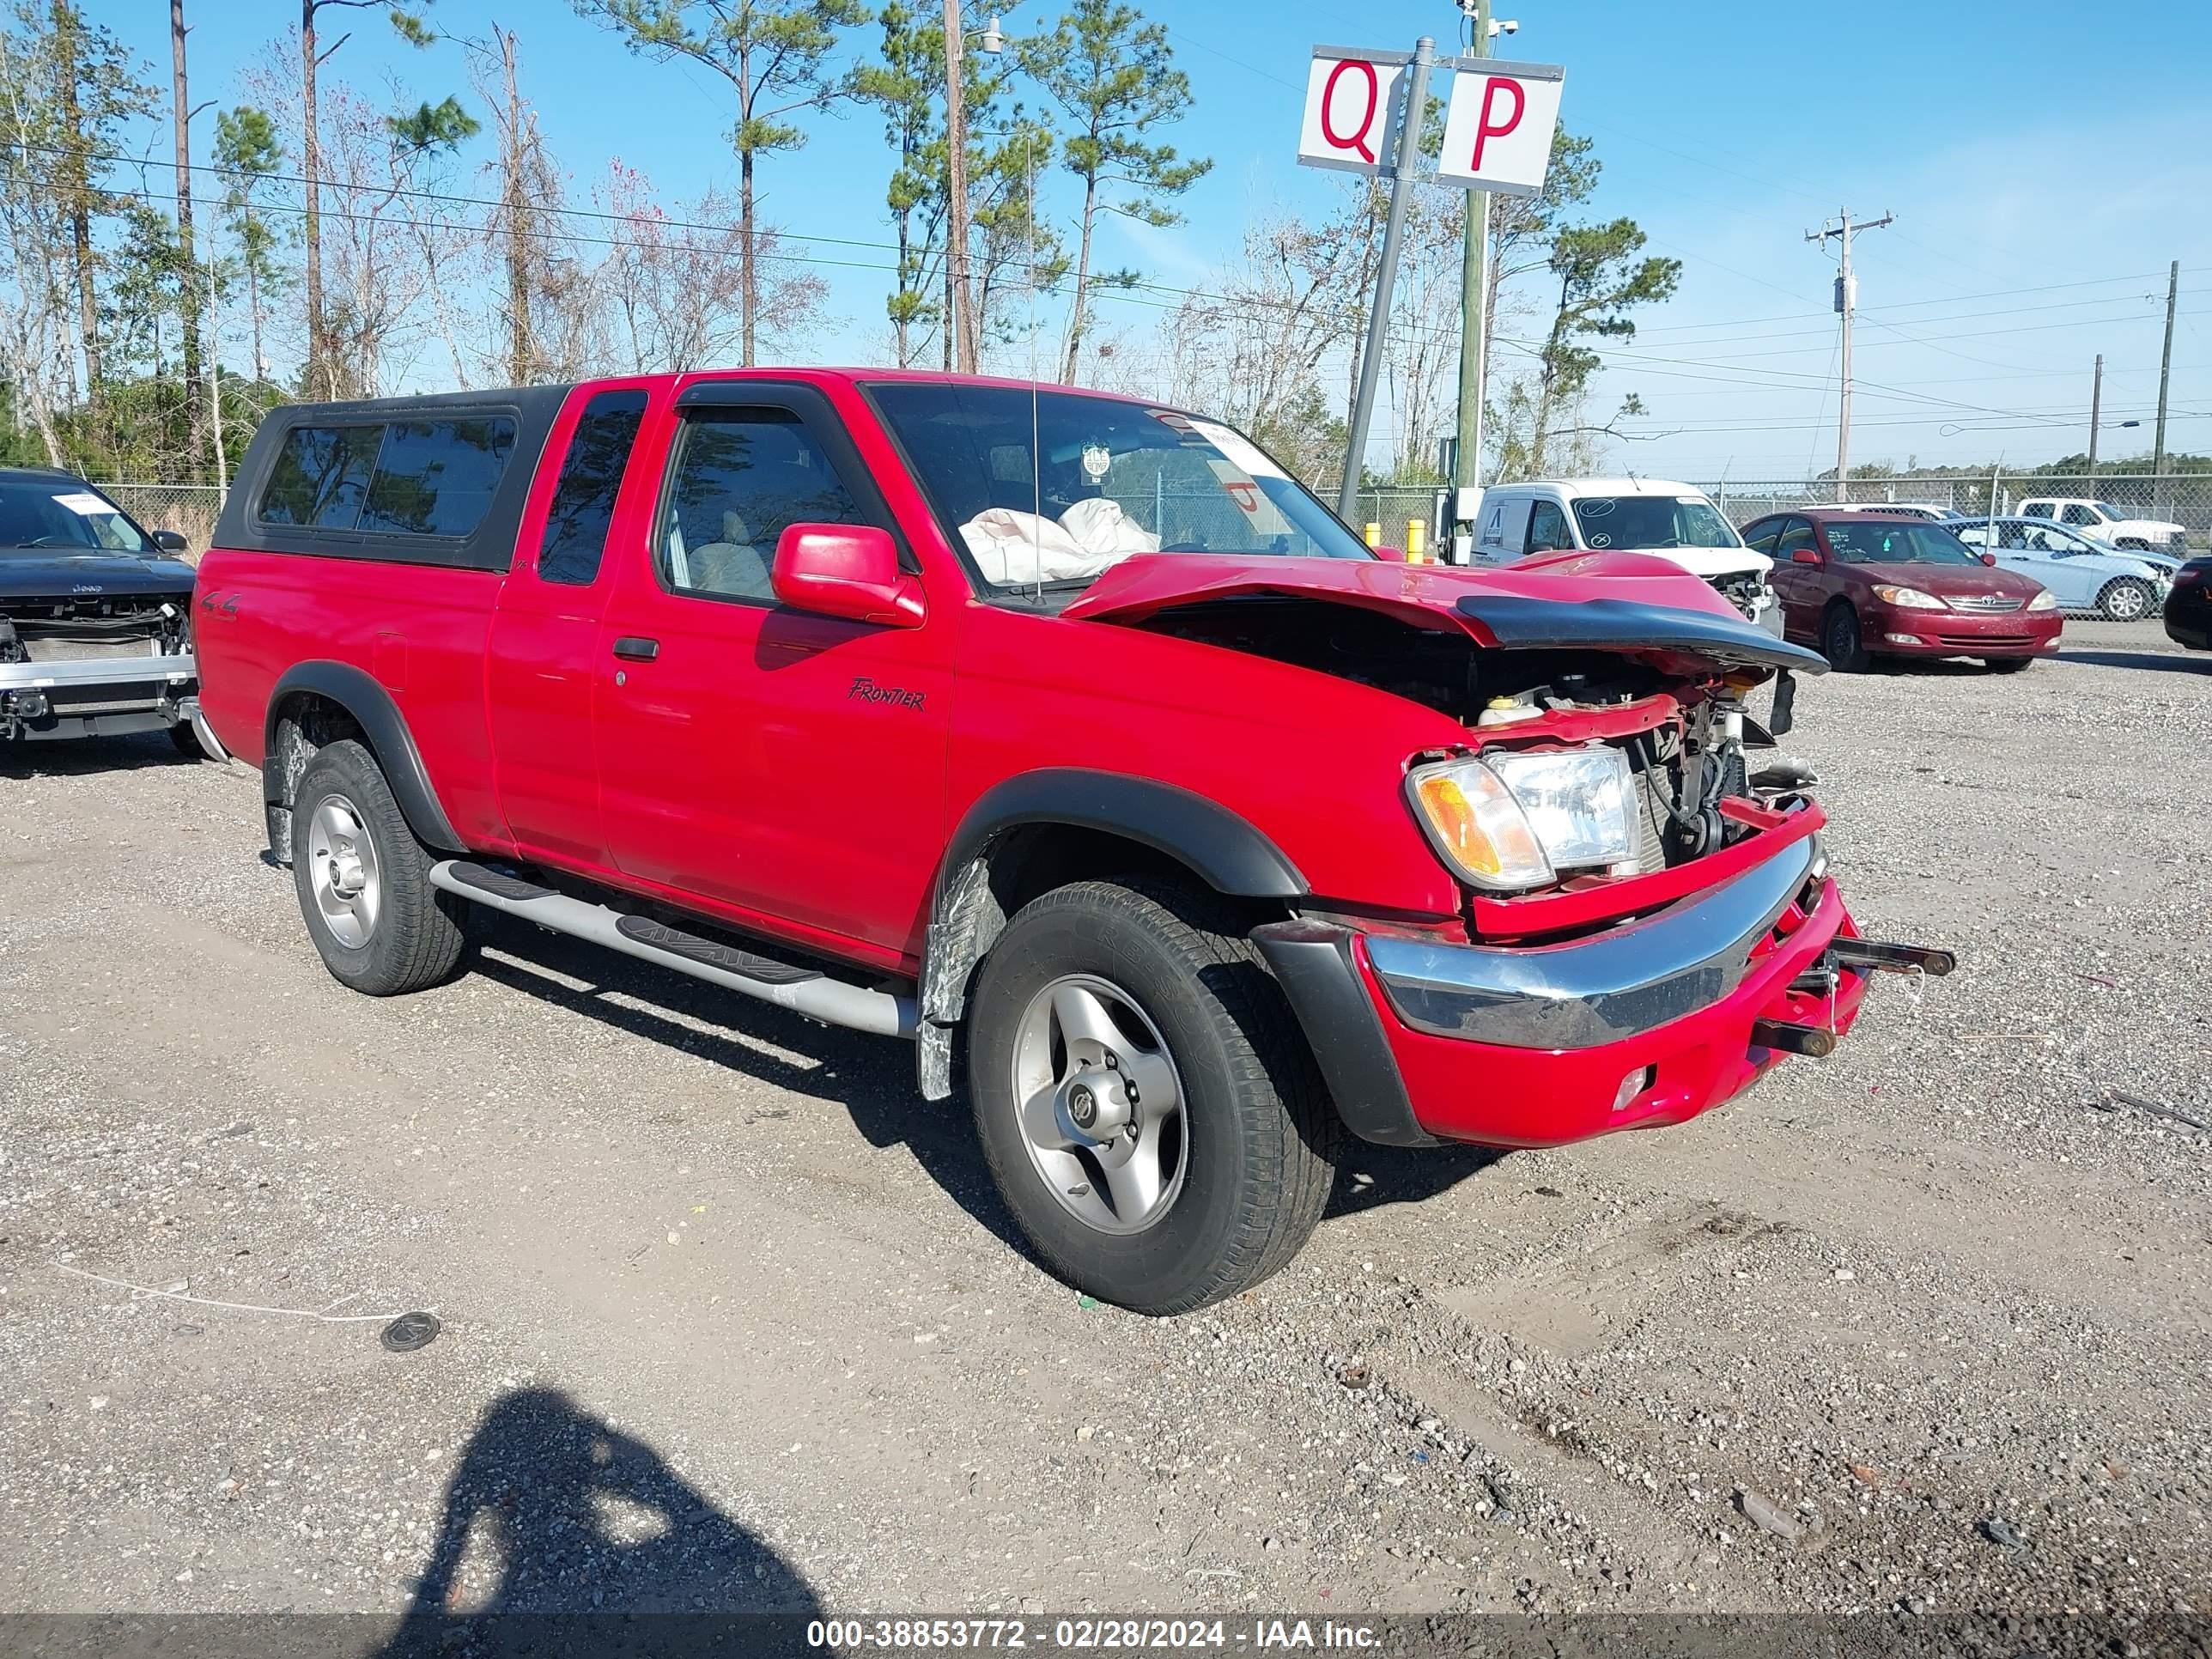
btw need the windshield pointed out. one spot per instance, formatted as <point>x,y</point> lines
<point>65,516</point>
<point>1053,487</point>
<point>1635,521</point>
<point>2109,510</point>
<point>1898,541</point>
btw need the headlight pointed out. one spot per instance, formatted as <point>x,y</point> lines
<point>1908,599</point>
<point>2045,600</point>
<point>1512,823</point>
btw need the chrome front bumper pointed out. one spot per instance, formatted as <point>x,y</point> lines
<point>99,670</point>
<point>1597,990</point>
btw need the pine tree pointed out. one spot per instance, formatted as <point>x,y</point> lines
<point>1114,76</point>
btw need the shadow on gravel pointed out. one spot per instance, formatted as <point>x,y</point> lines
<point>86,757</point>
<point>581,1523</point>
<point>872,1077</point>
<point>2173,662</point>
<point>1369,1178</point>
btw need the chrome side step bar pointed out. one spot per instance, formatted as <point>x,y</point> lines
<point>802,990</point>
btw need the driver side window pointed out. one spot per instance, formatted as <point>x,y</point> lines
<point>739,479</point>
<point>1547,529</point>
<point>2077,515</point>
<point>1798,535</point>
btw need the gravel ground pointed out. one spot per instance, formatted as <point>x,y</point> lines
<point>731,1319</point>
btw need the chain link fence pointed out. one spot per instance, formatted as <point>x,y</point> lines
<point>189,509</point>
<point>2184,499</point>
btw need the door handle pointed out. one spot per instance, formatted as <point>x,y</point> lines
<point>631,648</point>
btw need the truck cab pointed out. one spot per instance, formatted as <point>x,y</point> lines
<point>2106,522</point>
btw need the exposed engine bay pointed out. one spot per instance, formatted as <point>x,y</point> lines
<point>1688,742</point>
<point>93,664</point>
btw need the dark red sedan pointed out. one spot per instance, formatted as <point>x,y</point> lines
<point>1863,585</point>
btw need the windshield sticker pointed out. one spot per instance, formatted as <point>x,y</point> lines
<point>1240,451</point>
<point>83,503</point>
<point>1097,462</point>
<point>1596,508</point>
<point>1601,540</point>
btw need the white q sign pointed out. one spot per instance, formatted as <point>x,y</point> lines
<point>1352,106</point>
<point>1498,136</point>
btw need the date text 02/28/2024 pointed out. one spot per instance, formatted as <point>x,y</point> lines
<point>1089,1634</point>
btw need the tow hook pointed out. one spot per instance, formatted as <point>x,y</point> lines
<point>1867,953</point>
<point>1785,1037</point>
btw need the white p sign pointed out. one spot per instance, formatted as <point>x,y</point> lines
<point>1498,136</point>
<point>1352,103</point>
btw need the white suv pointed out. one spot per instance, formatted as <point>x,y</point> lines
<point>2106,523</point>
<point>1671,522</point>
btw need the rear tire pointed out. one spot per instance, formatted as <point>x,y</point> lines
<point>363,879</point>
<point>1840,642</point>
<point>1247,1154</point>
<point>2126,599</point>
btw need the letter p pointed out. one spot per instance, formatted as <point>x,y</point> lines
<point>1488,127</point>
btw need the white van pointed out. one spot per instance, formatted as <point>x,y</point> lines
<point>1671,522</point>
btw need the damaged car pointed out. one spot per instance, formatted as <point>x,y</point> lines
<point>1067,738</point>
<point>95,616</point>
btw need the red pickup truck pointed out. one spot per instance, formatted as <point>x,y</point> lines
<point>1065,734</point>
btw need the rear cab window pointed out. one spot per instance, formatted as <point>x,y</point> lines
<point>574,542</point>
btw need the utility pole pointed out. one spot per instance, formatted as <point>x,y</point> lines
<point>184,147</point>
<point>962,302</point>
<point>1847,298</point>
<point>2165,374</point>
<point>2096,404</point>
<point>1473,300</point>
<point>1394,234</point>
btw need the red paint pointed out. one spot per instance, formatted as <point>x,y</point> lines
<point>1484,131</point>
<point>1501,1096</point>
<point>800,774</point>
<point>1358,142</point>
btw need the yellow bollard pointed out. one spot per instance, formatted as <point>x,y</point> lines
<point>1417,534</point>
<point>1374,535</point>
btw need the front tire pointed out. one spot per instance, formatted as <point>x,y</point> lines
<point>363,879</point>
<point>1840,642</point>
<point>2125,598</point>
<point>1145,1100</point>
<point>187,741</point>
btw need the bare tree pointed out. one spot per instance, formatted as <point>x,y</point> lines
<point>35,222</point>
<point>775,55</point>
<point>673,289</point>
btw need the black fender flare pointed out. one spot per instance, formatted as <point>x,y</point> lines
<point>1223,850</point>
<point>373,709</point>
<point>1230,854</point>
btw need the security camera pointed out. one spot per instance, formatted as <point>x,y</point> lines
<point>1505,26</point>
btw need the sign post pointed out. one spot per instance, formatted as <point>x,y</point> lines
<point>1363,114</point>
<point>1346,111</point>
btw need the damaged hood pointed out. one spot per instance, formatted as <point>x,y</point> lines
<point>1635,604</point>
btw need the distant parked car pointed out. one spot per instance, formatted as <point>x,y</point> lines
<point>1861,585</point>
<point>2189,607</point>
<point>1673,521</point>
<point>1926,510</point>
<point>2086,575</point>
<point>95,616</point>
<point>2106,523</point>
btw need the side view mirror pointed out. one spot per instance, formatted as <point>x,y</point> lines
<point>1391,554</point>
<point>1988,558</point>
<point>171,541</point>
<point>846,570</point>
<point>1805,556</point>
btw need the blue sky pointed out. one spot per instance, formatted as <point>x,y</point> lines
<point>2045,162</point>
